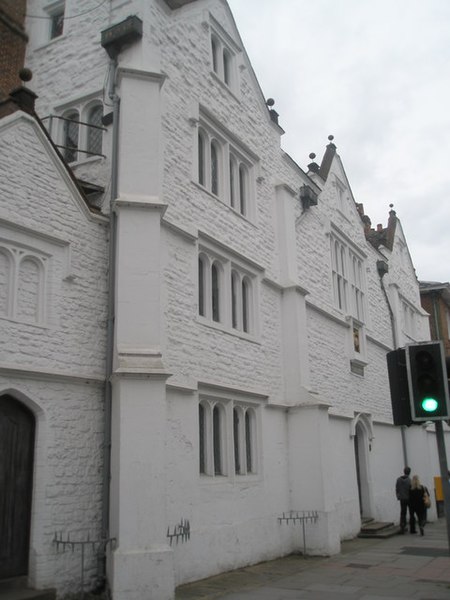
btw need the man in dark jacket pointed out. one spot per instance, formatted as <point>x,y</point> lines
<point>402,487</point>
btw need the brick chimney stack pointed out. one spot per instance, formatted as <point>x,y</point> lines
<point>13,41</point>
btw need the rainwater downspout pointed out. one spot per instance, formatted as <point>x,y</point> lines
<point>106,479</point>
<point>395,343</point>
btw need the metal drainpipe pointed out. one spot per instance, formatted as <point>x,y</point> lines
<point>111,312</point>
<point>394,339</point>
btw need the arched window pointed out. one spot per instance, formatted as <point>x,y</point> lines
<point>201,158</point>
<point>215,54</point>
<point>201,286</point>
<point>227,66</point>
<point>28,292</point>
<point>236,440</point>
<point>217,440</point>
<point>71,136</point>
<point>249,440</point>
<point>215,168</point>
<point>5,282</point>
<point>202,438</point>
<point>234,299</point>
<point>233,180</point>
<point>95,133</point>
<point>243,184</point>
<point>215,292</point>
<point>245,305</point>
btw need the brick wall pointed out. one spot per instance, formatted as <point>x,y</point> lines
<point>13,41</point>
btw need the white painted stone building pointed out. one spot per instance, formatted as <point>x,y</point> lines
<point>252,308</point>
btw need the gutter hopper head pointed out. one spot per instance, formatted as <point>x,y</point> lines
<point>308,197</point>
<point>124,33</point>
<point>382,267</point>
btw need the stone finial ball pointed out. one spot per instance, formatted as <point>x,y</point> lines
<point>25,74</point>
<point>312,156</point>
<point>331,138</point>
<point>270,102</point>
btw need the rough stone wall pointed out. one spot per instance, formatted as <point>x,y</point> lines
<point>73,336</point>
<point>55,365</point>
<point>178,44</point>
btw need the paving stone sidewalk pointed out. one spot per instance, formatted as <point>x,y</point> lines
<point>403,566</point>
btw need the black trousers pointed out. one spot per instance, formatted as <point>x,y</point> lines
<point>421,514</point>
<point>404,505</point>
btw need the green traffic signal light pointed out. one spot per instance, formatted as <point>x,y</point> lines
<point>430,405</point>
<point>427,381</point>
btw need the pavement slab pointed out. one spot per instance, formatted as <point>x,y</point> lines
<point>404,566</point>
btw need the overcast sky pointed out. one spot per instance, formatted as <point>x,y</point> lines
<point>375,74</point>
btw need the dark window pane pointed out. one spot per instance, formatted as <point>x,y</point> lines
<point>215,284</point>
<point>242,190</point>
<point>226,67</point>
<point>248,442</point>
<point>217,442</point>
<point>95,135</point>
<point>234,311</point>
<point>214,50</point>
<point>201,159</point>
<point>237,460</point>
<point>201,288</point>
<point>214,170</point>
<point>245,294</point>
<point>201,427</point>
<point>70,141</point>
<point>57,25</point>
<point>232,184</point>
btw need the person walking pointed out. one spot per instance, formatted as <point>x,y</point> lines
<point>417,505</point>
<point>402,487</point>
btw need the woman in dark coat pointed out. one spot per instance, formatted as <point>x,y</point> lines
<point>417,505</point>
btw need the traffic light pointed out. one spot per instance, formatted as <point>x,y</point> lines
<point>398,383</point>
<point>427,381</point>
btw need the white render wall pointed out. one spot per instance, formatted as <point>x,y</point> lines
<point>56,366</point>
<point>235,522</point>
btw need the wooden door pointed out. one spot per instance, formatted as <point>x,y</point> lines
<point>17,426</point>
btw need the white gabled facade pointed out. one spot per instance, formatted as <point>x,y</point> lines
<point>253,310</point>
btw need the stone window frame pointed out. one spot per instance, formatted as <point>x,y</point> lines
<point>224,54</point>
<point>16,257</point>
<point>232,304</point>
<point>81,114</point>
<point>348,278</point>
<point>341,196</point>
<point>56,12</point>
<point>408,319</point>
<point>357,346</point>
<point>227,438</point>
<point>229,177</point>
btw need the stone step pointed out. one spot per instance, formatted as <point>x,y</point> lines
<point>28,594</point>
<point>16,589</point>
<point>378,529</point>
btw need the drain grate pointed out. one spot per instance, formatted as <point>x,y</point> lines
<point>358,566</point>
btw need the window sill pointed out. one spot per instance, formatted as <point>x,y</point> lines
<point>248,337</point>
<point>224,85</point>
<point>86,161</point>
<point>357,367</point>
<point>234,480</point>
<point>247,219</point>
<point>46,44</point>
<point>38,325</point>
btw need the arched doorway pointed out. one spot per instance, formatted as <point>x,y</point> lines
<point>362,437</point>
<point>17,431</point>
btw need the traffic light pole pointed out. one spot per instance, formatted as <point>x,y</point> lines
<point>444,474</point>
